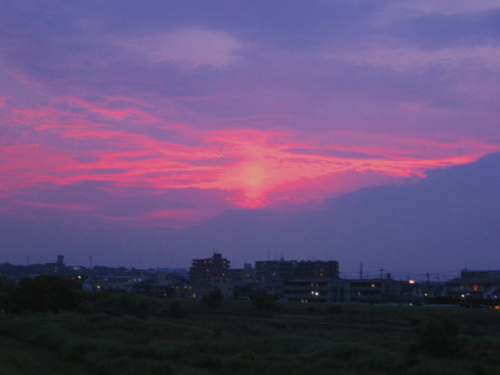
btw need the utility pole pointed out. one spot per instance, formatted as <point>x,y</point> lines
<point>361,270</point>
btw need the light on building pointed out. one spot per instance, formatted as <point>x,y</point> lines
<point>411,281</point>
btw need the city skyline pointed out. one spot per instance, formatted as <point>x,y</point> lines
<point>362,273</point>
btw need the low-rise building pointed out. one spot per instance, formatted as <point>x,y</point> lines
<point>474,288</point>
<point>342,290</point>
<point>317,290</point>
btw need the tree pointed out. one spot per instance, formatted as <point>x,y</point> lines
<point>43,293</point>
<point>6,287</point>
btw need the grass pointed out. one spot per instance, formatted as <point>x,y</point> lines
<point>237,338</point>
<point>19,358</point>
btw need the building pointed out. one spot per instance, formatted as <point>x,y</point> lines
<point>123,283</point>
<point>375,290</point>
<point>159,286</point>
<point>58,268</point>
<point>268,270</point>
<point>317,290</point>
<point>225,287</point>
<point>316,269</point>
<point>358,290</point>
<point>474,288</point>
<point>190,289</point>
<point>210,268</point>
<point>180,272</point>
<point>244,275</point>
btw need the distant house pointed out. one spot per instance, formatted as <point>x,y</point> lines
<point>316,290</point>
<point>158,286</point>
<point>375,290</point>
<point>356,290</point>
<point>190,289</point>
<point>267,270</point>
<point>474,288</point>
<point>113,282</point>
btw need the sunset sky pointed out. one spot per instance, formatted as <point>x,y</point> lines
<point>165,113</point>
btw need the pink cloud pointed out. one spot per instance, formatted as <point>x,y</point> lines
<point>112,139</point>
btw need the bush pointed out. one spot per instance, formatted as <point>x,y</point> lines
<point>213,298</point>
<point>176,310</point>
<point>43,293</point>
<point>439,338</point>
<point>334,309</point>
<point>264,302</point>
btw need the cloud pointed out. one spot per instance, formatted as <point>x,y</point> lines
<point>194,46</point>
<point>222,161</point>
<point>436,31</point>
<point>251,100</point>
<point>336,153</point>
<point>443,222</point>
<point>100,203</point>
<point>108,171</point>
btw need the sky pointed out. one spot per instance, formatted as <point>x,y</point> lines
<point>162,114</point>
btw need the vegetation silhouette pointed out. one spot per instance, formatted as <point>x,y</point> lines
<point>121,333</point>
<point>43,293</point>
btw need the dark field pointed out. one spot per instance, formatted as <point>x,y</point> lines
<point>131,335</point>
